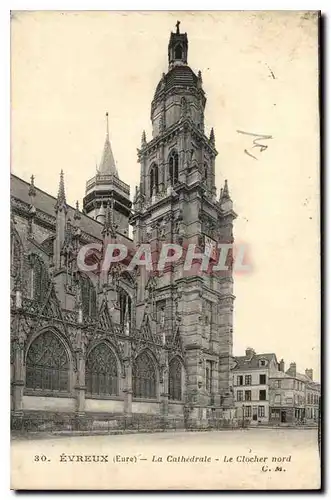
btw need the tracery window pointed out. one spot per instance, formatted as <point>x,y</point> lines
<point>89,297</point>
<point>101,375</point>
<point>47,364</point>
<point>173,168</point>
<point>175,380</point>
<point>144,377</point>
<point>154,179</point>
<point>39,278</point>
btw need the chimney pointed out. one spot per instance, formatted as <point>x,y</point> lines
<point>249,352</point>
<point>309,373</point>
<point>292,369</point>
<point>281,366</point>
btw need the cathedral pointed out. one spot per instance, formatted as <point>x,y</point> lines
<point>135,346</point>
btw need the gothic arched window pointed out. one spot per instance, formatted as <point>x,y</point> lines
<point>101,375</point>
<point>175,379</point>
<point>89,297</point>
<point>173,168</point>
<point>47,364</point>
<point>39,278</point>
<point>144,377</point>
<point>178,52</point>
<point>154,179</point>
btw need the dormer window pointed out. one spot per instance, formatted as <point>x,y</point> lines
<point>263,362</point>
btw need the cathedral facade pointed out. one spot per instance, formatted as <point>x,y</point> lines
<point>134,344</point>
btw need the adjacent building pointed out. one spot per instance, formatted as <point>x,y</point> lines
<point>294,397</point>
<point>313,394</point>
<point>265,393</point>
<point>251,375</point>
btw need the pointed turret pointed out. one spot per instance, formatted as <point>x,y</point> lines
<point>107,165</point>
<point>32,190</point>
<point>105,186</point>
<point>77,215</point>
<point>32,209</point>
<point>225,200</point>
<point>226,195</point>
<point>61,203</point>
<point>212,136</point>
<point>77,231</point>
<point>61,215</point>
<point>199,79</point>
<point>143,139</point>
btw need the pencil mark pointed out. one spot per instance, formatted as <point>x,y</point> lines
<point>271,72</point>
<point>249,154</point>
<point>256,142</point>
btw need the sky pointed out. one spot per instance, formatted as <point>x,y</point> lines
<point>260,75</point>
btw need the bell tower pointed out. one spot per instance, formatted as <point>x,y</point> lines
<point>176,202</point>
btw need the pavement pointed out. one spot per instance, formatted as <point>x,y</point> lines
<point>107,432</point>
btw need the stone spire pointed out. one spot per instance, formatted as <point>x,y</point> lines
<point>32,208</point>
<point>226,195</point>
<point>212,136</point>
<point>106,185</point>
<point>60,226</point>
<point>61,203</point>
<point>107,165</point>
<point>32,195</point>
<point>32,189</point>
<point>143,138</point>
<point>77,230</point>
<point>199,79</point>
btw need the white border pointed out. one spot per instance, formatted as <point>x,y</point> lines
<point>5,8</point>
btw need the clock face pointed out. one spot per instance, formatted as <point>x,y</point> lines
<point>211,247</point>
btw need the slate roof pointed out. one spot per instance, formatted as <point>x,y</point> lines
<point>303,378</point>
<point>182,76</point>
<point>107,164</point>
<point>280,374</point>
<point>45,202</point>
<point>298,376</point>
<point>252,362</point>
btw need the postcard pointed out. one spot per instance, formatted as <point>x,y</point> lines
<point>165,236</point>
